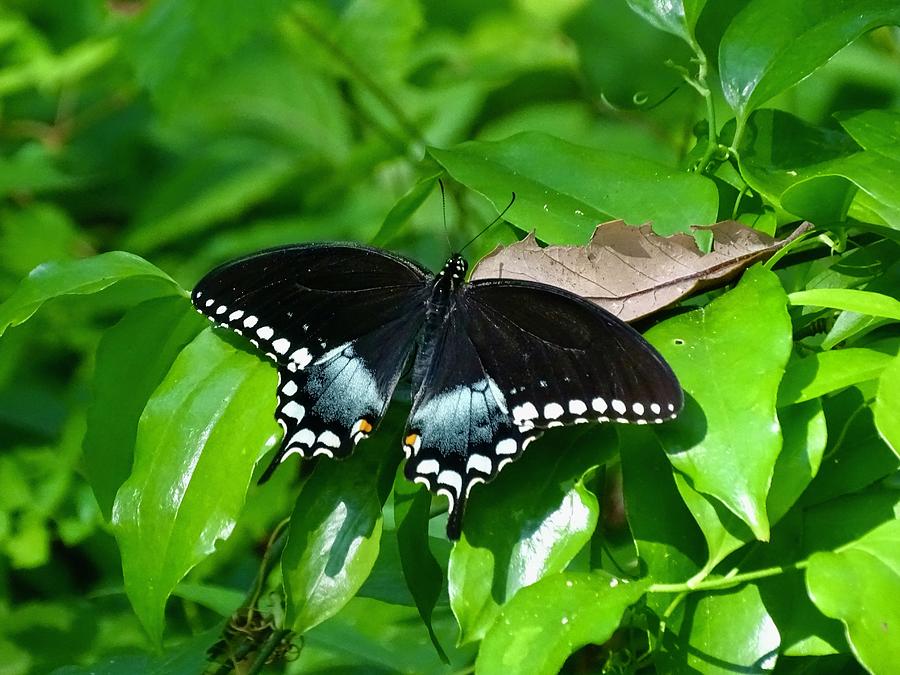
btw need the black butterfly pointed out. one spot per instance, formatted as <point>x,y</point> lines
<point>496,360</point>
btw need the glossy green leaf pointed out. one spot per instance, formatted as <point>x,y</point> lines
<point>805,433</point>
<point>725,633</point>
<point>666,535</point>
<point>824,372</point>
<point>335,531</point>
<point>78,277</point>
<point>544,623</point>
<point>727,439</point>
<point>423,574</point>
<point>859,584</point>
<point>564,190</point>
<point>539,533</point>
<point>678,17</point>
<point>863,302</point>
<point>760,58</point>
<point>887,405</point>
<point>198,440</point>
<point>138,350</point>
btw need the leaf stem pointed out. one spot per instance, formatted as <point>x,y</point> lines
<point>728,581</point>
<point>266,650</point>
<point>414,137</point>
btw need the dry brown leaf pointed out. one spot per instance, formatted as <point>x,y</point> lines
<point>630,271</point>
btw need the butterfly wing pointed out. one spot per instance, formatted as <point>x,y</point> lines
<point>339,320</point>
<point>515,358</point>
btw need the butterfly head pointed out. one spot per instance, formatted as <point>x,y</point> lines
<point>455,268</point>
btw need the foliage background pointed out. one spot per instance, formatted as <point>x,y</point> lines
<point>191,132</point>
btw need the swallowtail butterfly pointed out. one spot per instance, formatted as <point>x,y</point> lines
<point>495,361</point>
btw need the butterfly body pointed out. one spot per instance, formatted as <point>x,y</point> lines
<point>493,362</point>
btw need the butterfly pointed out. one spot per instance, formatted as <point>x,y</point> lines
<point>492,363</point>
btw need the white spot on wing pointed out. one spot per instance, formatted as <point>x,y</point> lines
<point>507,446</point>
<point>638,408</point>
<point>221,309</point>
<point>293,409</point>
<point>618,406</point>
<point>250,321</point>
<point>577,407</point>
<point>290,388</point>
<point>281,345</point>
<point>654,408</point>
<point>265,333</point>
<point>553,410</point>
<point>479,463</point>
<point>330,439</point>
<point>451,478</point>
<point>235,315</point>
<point>301,357</point>
<point>303,437</point>
<point>210,303</point>
<point>524,412</point>
<point>428,466</point>
<point>599,404</point>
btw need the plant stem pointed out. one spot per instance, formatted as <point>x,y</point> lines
<point>266,650</point>
<point>414,137</point>
<point>727,582</point>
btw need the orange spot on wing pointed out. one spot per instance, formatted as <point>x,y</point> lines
<point>411,439</point>
<point>364,426</point>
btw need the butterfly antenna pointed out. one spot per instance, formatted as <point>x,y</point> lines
<point>492,223</point>
<point>444,211</point>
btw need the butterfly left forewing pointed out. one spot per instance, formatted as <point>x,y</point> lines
<point>340,322</point>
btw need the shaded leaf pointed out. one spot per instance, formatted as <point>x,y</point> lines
<point>424,576</point>
<point>564,190</point>
<point>629,271</point>
<point>859,584</point>
<point>78,277</point>
<point>513,537</point>
<point>335,531</point>
<point>727,439</point>
<point>887,405</point>
<point>545,623</point>
<point>678,18</point>
<point>403,210</point>
<point>759,58</point>
<point>133,357</point>
<point>198,440</point>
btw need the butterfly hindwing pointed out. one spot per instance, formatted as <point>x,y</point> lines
<point>339,320</point>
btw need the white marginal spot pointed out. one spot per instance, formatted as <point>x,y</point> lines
<point>618,406</point>
<point>210,303</point>
<point>524,412</point>
<point>281,345</point>
<point>504,462</point>
<point>254,342</point>
<point>293,409</point>
<point>638,408</point>
<point>291,451</point>
<point>671,407</point>
<point>452,479</point>
<point>451,498</point>
<point>599,404</point>
<point>658,420</point>
<point>301,357</point>
<point>673,416</point>
<point>250,321</point>
<point>428,466</point>
<point>235,315</point>
<point>577,407</point>
<point>265,333</point>
<point>303,437</point>
<point>323,451</point>
<point>329,438</point>
<point>507,446</point>
<point>654,408</point>
<point>621,420</point>
<point>581,420</point>
<point>290,388</point>
<point>221,309</point>
<point>422,481</point>
<point>358,436</point>
<point>479,463</point>
<point>473,481</point>
<point>198,294</point>
<point>642,422</point>
<point>553,410</point>
<point>527,441</point>
<point>603,418</point>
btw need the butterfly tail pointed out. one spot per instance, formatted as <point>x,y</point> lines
<point>455,518</point>
<point>274,464</point>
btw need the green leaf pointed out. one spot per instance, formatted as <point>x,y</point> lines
<point>727,439</point>
<point>133,357</point>
<point>423,574</point>
<point>335,529</point>
<point>545,623</point>
<point>665,533</point>
<point>859,584</point>
<point>876,130</point>
<point>887,406</point>
<point>540,530</point>
<point>198,440</point>
<point>805,436</point>
<point>678,18</point>
<point>862,302</point>
<point>78,277</point>
<point>218,182</point>
<point>727,632</point>
<point>564,190</point>
<point>402,211</point>
<point>760,57</point>
<point>824,372</point>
